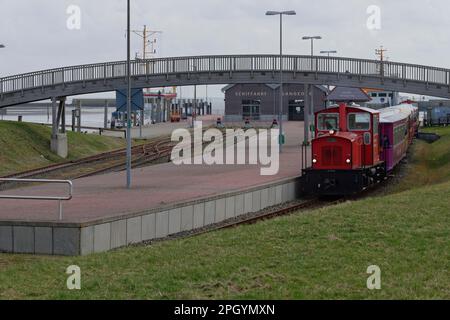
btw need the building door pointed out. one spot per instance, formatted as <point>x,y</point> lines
<point>296,110</point>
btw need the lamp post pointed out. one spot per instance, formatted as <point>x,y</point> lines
<point>194,105</point>
<point>1,47</point>
<point>312,41</point>
<point>328,52</point>
<point>311,94</point>
<point>128,164</point>
<point>280,120</point>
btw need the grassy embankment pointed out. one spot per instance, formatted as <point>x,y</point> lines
<point>25,146</point>
<point>315,254</point>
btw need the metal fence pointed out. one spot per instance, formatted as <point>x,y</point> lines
<point>47,198</point>
<point>252,63</point>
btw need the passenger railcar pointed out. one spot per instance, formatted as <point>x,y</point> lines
<point>356,147</point>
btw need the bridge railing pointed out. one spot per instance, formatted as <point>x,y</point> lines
<point>252,63</point>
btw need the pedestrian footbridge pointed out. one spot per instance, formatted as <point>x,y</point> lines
<point>229,69</point>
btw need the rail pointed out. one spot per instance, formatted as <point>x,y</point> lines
<point>225,64</point>
<point>49,198</point>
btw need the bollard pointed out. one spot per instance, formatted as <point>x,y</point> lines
<point>247,123</point>
<point>219,123</point>
<point>274,124</point>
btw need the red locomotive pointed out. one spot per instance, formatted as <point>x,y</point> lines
<point>356,147</point>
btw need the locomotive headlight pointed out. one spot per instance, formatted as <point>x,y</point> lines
<point>331,132</point>
<point>314,160</point>
<point>348,161</point>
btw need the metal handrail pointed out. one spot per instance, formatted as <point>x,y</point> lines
<point>49,198</point>
<point>225,63</point>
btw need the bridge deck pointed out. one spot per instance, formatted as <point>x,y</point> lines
<point>200,70</point>
<point>102,197</point>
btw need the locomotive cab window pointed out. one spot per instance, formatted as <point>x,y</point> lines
<point>328,121</point>
<point>359,121</point>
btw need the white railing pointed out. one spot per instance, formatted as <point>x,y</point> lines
<point>47,198</point>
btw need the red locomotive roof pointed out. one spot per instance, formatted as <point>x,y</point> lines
<point>354,107</point>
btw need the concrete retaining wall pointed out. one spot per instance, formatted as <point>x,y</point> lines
<point>103,235</point>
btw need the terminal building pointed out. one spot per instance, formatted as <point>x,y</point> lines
<point>382,99</point>
<point>261,102</point>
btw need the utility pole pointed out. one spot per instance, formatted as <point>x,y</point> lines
<point>380,53</point>
<point>149,40</point>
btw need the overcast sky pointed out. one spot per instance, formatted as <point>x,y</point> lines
<point>36,35</point>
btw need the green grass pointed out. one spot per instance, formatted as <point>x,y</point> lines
<point>319,254</point>
<point>428,164</point>
<point>25,146</point>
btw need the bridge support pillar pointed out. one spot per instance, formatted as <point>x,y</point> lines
<point>78,116</point>
<point>59,143</point>
<point>105,116</point>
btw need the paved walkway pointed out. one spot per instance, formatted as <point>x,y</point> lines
<point>162,129</point>
<point>105,196</point>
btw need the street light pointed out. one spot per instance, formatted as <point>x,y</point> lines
<point>310,94</point>
<point>2,46</point>
<point>328,52</point>
<point>312,42</point>
<point>280,120</point>
<point>128,165</point>
<point>194,106</point>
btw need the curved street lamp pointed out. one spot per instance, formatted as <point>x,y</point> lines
<point>2,46</point>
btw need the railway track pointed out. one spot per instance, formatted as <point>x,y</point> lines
<point>101,163</point>
<point>143,155</point>
<point>284,209</point>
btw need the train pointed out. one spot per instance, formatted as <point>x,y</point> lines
<point>357,147</point>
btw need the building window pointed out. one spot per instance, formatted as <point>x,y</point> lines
<point>251,109</point>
